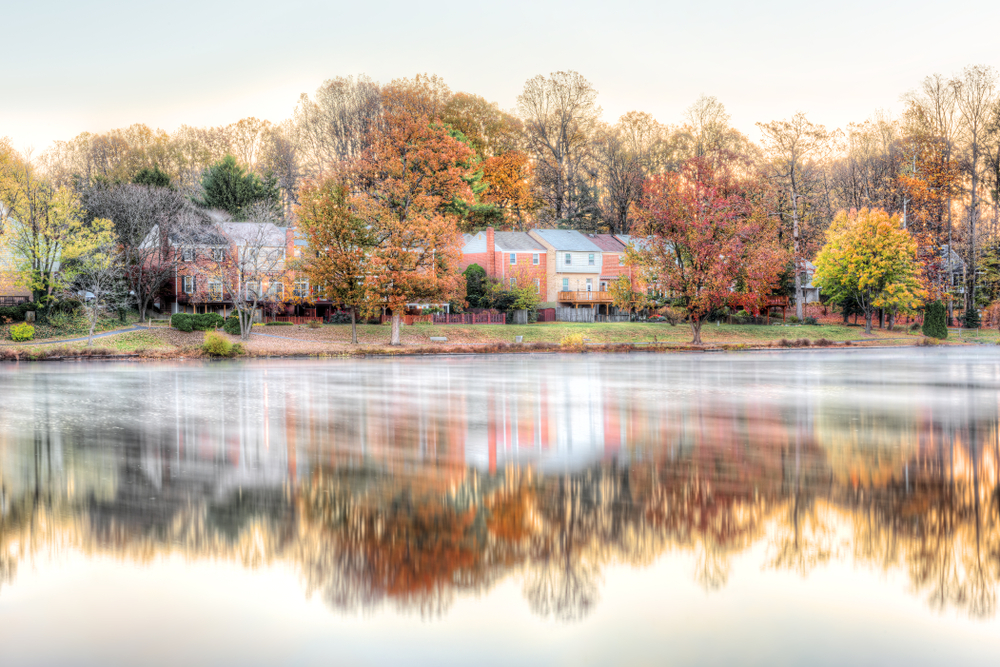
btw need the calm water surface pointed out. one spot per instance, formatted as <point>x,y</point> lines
<point>787,508</point>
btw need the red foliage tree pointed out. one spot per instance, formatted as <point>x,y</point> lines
<point>709,240</point>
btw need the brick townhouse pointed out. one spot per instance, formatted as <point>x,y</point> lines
<point>511,257</point>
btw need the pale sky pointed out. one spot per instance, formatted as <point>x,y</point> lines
<point>70,66</point>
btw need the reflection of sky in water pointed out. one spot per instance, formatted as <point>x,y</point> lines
<point>782,507</point>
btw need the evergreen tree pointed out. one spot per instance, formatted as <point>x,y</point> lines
<point>935,325</point>
<point>230,187</point>
<point>154,177</point>
<point>475,285</point>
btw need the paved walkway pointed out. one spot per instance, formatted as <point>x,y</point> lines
<point>80,340</point>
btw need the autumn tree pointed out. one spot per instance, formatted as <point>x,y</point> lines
<point>408,181</point>
<point>710,240</point>
<point>508,179</point>
<point>91,268</point>
<point>869,258</point>
<point>340,243</point>
<point>491,131</point>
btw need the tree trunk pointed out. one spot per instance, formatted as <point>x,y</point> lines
<point>868,321</point>
<point>354,325</point>
<point>93,325</point>
<point>795,258</point>
<point>696,331</point>
<point>396,322</point>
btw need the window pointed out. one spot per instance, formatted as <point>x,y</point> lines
<point>538,284</point>
<point>253,290</point>
<point>590,259</point>
<point>218,254</point>
<point>513,258</point>
<point>569,259</point>
<point>187,284</point>
<point>187,254</point>
<point>513,282</point>
<point>301,288</point>
<point>534,259</point>
<point>276,289</point>
<point>215,290</point>
<point>565,285</point>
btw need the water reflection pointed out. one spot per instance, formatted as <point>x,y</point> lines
<point>411,483</point>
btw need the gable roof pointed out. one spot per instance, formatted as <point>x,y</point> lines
<point>474,244</point>
<point>607,242</point>
<point>638,242</point>
<point>242,233</point>
<point>516,241</point>
<point>567,239</point>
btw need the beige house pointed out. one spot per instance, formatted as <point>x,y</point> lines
<point>573,271</point>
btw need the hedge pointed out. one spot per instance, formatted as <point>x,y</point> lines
<point>16,313</point>
<point>188,322</point>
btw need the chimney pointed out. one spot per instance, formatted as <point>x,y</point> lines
<point>491,253</point>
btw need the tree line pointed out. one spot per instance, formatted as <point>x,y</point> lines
<point>554,161</point>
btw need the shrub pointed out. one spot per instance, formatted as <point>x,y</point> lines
<point>16,313</point>
<point>216,345</point>
<point>232,325</point>
<point>823,342</point>
<point>971,319</point>
<point>188,322</point>
<point>935,324</point>
<point>277,324</point>
<point>742,317</point>
<point>792,319</point>
<point>811,321</point>
<point>340,317</point>
<point>572,340</point>
<point>22,332</point>
<point>929,342</point>
<point>314,324</point>
<point>803,342</point>
<point>915,326</point>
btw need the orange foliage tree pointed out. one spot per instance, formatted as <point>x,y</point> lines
<point>408,183</point>
<point>509,179</point>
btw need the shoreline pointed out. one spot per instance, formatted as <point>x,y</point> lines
<point>12,354</point>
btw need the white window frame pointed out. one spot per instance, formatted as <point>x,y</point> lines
<point>187,254</point>
<point>569,259</point>
<point>534,259</point>
<point>215,290</point>
<point>513,259</point>
<point>297,288</point>
<point>187,284</point>
<point>591,261</point>
<point>590,284</point>
<point>253,289</point>
<point>565,285</point>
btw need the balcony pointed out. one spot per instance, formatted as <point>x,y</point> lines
<point>585,297</point>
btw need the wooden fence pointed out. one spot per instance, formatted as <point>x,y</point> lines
<point>574,314</point>
<point>295,319</point>
<point>471,318</point>
<point>13,300</point>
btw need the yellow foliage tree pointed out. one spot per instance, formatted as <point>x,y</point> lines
<point>870,258</point>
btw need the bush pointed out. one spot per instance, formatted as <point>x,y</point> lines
<point>340,317</point>
<point>314,324</point>
<point>232,325</point>
<point>915,326</point>
<point>935,323</point>
<point>216,345</point>
<point>792,319</point>
<point>811,321</point>
<point>16,313</point>
<point>22,332</point>
<point>188,322</point>
<point>742,317</point>
<point>277,324</point>
<point>572,340</point>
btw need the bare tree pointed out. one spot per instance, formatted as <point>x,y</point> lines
<point>975,97</point>
<point>246,261</point>
<point>560,118</point>
<point>791,144</point>
<point>336,124</point>
<point>145,219</point>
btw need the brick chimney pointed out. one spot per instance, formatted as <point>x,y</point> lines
<point>491,253</point>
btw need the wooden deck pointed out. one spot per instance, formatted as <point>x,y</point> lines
<point>588,298</point>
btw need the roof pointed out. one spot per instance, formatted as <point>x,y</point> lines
<point>241,233</point>
<point>636,242</point>
<point>607,242</point>
<point>474,244</point>
<point>567,239</point>
<point>516,241</point>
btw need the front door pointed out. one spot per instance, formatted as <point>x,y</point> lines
<point>590,284</point>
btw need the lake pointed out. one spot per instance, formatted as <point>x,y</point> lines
<point>769,508</point>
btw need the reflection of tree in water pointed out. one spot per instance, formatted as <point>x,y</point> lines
<point>363,537</point>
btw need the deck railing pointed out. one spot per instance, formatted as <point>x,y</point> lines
<point>585,297</point>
